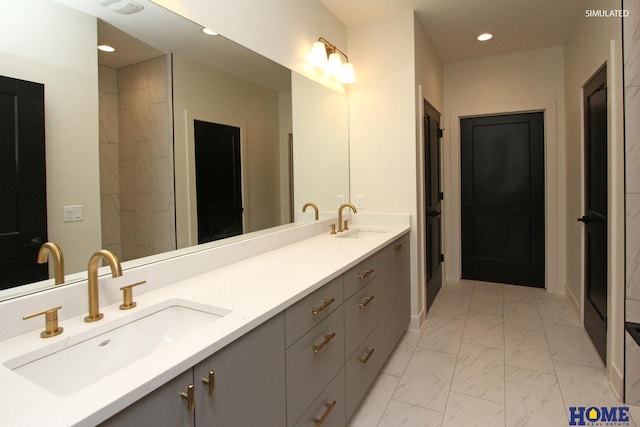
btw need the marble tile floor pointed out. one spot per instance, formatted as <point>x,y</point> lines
<point>490,355</point>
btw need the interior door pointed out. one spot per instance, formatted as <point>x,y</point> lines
<point>433,201</point>
<point>218,181</point>
<point>503,199</point>
<point>595,216</point>
<point>23,217</point>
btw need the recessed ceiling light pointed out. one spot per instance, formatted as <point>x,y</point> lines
<point>209,32</point>
<point>106,48</point>
<point>484,37</point>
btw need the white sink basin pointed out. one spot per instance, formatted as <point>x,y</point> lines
<point>72,368</point>
<point>363,233</point>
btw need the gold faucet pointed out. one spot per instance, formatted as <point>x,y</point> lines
<point>58,260</point>
<point>353,208</point>
<point>313,205</point>
<point>92,272</point>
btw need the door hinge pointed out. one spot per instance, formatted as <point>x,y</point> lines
<point>440,133</point>
<point>441,195</point>
<point>441,257</point>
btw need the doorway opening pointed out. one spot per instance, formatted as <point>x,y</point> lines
<point>218,181</point>
<point>503,199</point>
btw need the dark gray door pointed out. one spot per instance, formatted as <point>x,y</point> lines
<point>595,216</point>
<point>433,201</point>
<point>23,217</point>
<point>218,181</point>
<point>503,199</point>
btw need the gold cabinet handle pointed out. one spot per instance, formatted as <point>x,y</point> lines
<point>365,274</point>
<point>327,302</point>
<point>365,359</point>
<point>189,396</point>
<point>327,338</point>
<point>398,247</point>
<point>51,322</point>
<point>366,302</point>
<point>127,296</point>
<point>319,421</point>
<point>210,382</point>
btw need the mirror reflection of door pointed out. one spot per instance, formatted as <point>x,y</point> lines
<point>595,216</point>
<point>218,181</point>
<point>433,202</point>
<point>23,217</point>
<point>503,228</point>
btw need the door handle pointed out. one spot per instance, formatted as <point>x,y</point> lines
<point>35,242</point>
<point>466,205</point>
<point>433,213</point>
<point>584,219</point>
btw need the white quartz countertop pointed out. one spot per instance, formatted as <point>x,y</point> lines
<point>252,290</point>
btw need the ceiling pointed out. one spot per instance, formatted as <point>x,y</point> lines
<point>166,32</point>
<point>453,25</point>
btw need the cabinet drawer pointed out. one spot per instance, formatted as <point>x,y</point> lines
<point>360,316</point>
<point>360,275</point>
<point>311,310</point>
<point>324,406</point>
<point>360,372</point>
<point>312,362</point>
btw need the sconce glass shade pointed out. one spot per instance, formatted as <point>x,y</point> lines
<point>348,74</point>
<point>318,55</point>
<point>334,66</point>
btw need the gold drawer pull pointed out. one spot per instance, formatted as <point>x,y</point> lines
<point>210,382</point>
<point>366,302</point>
<point>325,304</point>
<point>365,359</point>
<point>189,396</point>
<point>319,421</point>
<point>327,338</point>
<point>365,274</point>
<point>398,247</point>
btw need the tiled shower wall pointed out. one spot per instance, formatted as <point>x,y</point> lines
<point>631,37</point>
<point>137,189</point>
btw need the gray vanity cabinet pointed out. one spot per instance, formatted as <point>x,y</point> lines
<point>248,377</point>
<point>394,289</point>
<point>248,387</point>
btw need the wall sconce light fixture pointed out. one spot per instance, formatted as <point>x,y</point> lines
<point>327,56</point>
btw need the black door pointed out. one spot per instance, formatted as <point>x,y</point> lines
<point>433,202</point>
<point>503,199</point>
<point>23,217</point>
<point>595,216</point>
<point>218,181</point>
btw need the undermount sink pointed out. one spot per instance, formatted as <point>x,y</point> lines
<point>72,368</point>
<point>363,233</point>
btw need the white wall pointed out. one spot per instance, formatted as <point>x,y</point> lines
<point>59,50</point>
<point>586,50</point>
<point>518,82</point>
<point>201,93</point>
<point>382,123</point>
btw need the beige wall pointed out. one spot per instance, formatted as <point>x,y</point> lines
<point>586,50</point>
<point>320,144</point>
<point>201,93</point>
<point>65,61</point>
<point>518,82</point>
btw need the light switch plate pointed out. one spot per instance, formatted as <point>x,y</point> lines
<point>73,213</point>
<point>359,201</point>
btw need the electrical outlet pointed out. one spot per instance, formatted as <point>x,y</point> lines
<point>359,201</point>
<point>340,198</point>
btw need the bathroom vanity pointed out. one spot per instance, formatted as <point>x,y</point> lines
<point>294,333</point>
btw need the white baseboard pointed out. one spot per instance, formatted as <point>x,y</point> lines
<point>573,303</point>
<point>616,381</point>
<point>417,322</point>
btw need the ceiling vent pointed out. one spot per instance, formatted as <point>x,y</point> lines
<point>124,7</point>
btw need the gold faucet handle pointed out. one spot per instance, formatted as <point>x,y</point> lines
<point>333,228</point>
<point>127,296</point>
<point>346,225</point>
<point>51,322</point>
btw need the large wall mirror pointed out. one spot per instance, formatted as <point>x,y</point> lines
<point>120,133</point>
